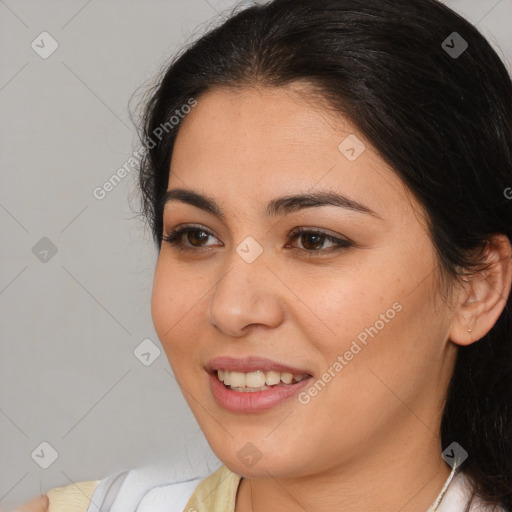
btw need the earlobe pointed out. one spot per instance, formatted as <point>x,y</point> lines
<point>485,296</point>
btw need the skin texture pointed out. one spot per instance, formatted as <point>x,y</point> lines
<point>370,439</point>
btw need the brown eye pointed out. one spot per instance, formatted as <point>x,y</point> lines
<point>197,236</point>
<point>312,240</point>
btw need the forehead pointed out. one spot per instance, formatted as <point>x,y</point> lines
<point>249,145</point>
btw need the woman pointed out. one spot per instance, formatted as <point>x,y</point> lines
<point>329,186</point>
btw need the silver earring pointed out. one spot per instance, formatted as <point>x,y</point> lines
<point>469,330</point>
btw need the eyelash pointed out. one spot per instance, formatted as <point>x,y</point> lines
<point>174,236</point>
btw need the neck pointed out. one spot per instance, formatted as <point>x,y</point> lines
<point>408,476</point>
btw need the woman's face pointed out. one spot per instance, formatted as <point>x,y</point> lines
<point>361,316</point>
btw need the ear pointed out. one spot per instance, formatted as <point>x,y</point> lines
<point>485,295</point>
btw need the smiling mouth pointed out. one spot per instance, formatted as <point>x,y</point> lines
<point>258,380</point>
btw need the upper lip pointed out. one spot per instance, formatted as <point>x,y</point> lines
<point>250,364</point>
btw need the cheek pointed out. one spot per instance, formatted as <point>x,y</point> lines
<point>336,309</point>
<point>173,306</point>
<point>161,302</point>
<point>359,322</point>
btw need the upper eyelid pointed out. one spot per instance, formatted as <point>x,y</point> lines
<point>295,230</point>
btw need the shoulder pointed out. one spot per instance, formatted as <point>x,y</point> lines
<point>151,488</point>
<point>217,492</point>
<point>72,498</point>
<point>458,496</point>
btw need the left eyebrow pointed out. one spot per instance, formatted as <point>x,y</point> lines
<point>275,207</point>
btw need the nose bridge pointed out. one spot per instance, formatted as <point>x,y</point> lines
<point>244,294</point>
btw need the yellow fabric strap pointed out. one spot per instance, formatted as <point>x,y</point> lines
<point>216,493</point>
<point>72,498</point>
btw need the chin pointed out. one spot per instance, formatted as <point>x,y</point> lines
<point>252,460</point>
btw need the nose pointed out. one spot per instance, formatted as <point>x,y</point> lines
<point>247,294</point>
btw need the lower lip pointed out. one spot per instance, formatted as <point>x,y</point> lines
<point>253,401</point>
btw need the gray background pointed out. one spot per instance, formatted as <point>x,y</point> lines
<point>70,322</point>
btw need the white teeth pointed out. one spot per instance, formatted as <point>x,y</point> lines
<point>257,380</point>
<point>254,379</point>
<point>237,379</point>
<point>287,378</point>
<point>272,378</point>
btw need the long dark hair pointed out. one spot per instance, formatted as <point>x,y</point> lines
<point>438,112</point>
